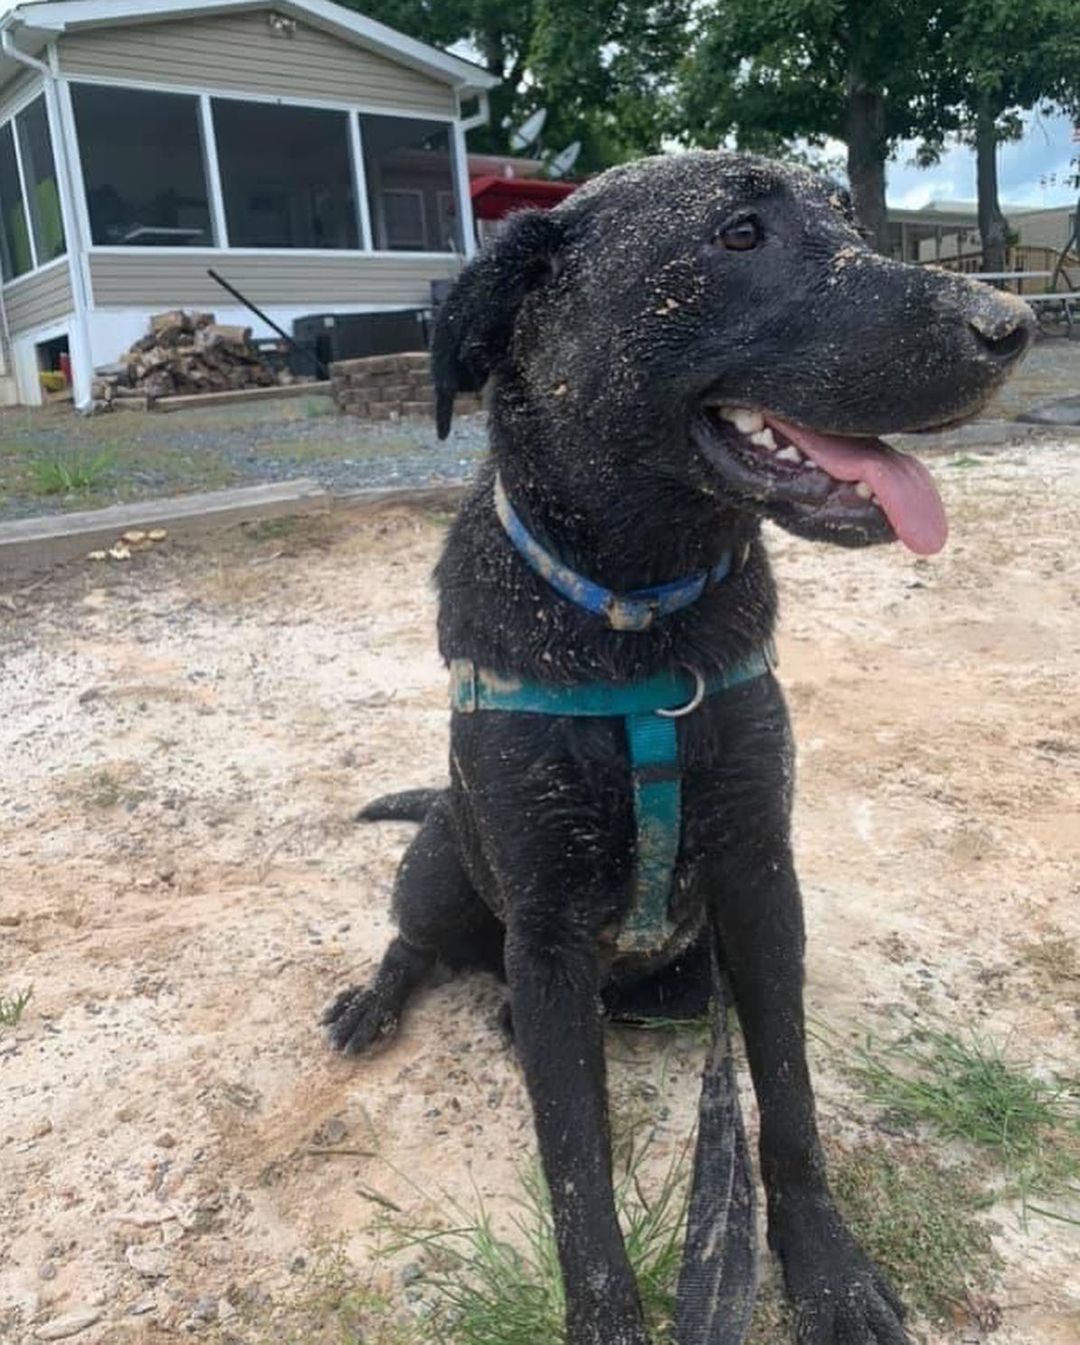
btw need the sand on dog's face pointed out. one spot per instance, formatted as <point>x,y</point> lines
<point>184,741</point>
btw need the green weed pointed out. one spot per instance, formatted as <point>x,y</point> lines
<point>13,1006</point>
<point>76,473</point>
<point>966,1089</point>
<point>492,1288</point>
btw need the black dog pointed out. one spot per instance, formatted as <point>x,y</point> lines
<point>687,345</point>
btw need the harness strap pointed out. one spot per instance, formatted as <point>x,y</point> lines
<point>653,749</point>
<point>654,764</point>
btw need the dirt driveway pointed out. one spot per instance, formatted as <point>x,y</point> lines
<point>184,739</point>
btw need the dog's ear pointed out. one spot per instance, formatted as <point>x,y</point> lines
<point>476,320</point>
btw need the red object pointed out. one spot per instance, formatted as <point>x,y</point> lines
<point>494,197</point>
<point>65,366</point>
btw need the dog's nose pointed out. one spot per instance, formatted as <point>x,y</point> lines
<point>1004,326</point>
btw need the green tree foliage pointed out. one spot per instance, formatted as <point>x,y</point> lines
<point>605,72</point>
<point>994,60</point>
<point>768,71</point>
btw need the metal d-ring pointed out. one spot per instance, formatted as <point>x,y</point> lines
<point>693,703</point>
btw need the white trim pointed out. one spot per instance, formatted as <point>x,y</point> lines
<point>36,273</point>
<point>109,249</point>
<point>25,194</point>
<point>74,162</point>
<point>245,96</point>
<point>356,149</point>
<point>459,167</point>
<point>218,222</point>
<point>24,357</point>
<point>73,15</point>
<point>25,99</point>
<point>65,153</point>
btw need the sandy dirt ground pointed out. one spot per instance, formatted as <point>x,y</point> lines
<point>184,739</point>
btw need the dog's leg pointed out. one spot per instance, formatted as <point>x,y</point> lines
<point>439,916</point>
<point>554,989</point>
<point>840,1296</point>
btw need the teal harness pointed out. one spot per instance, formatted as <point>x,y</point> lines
<point>649,710</point>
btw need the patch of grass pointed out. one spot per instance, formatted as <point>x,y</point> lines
<point>964,1088</point>
<point>77,473</point>
<point>919,1221</point>
<point>13,1006</point>
<point>491,1289</point>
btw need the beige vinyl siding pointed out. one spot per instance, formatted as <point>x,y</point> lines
<point>241,55</point>
<point>139,279</point>
<point>1044,228</point>
<point>36,300</point>
<point>15,90</point>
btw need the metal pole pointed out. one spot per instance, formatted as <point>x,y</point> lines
<point>319,366</point>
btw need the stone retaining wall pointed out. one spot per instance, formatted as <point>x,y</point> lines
<point>388,387</point>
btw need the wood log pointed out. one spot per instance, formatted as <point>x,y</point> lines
<point>175,318</point>
<point>222,334</point>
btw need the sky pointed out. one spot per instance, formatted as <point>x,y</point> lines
<point>1024,170</point>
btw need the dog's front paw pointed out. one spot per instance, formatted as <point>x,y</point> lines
<point>358,1019</point>
<point>839,1295</point>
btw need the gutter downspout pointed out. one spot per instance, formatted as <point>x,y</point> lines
<point>82,375</point>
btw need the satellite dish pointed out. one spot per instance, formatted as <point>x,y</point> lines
<point>564,160</point>
<point>529,130</point>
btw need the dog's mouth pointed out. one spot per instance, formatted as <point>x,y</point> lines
<point>845,488</point>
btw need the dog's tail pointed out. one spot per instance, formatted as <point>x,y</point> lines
<point>410,805</point>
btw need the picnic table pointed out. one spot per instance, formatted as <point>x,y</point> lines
<point>1068,299</point>
<point>1010,275</point>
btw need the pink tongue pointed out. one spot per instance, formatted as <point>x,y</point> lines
<point>903,486</point>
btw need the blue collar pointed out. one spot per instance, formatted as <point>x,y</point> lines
<point>626,611</point>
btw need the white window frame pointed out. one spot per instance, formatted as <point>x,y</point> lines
<point>458,166</point>
<point>16,109</point>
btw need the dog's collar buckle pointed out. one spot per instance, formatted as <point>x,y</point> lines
<point>631,613</point>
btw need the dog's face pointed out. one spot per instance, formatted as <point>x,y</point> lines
<point>719,318</point>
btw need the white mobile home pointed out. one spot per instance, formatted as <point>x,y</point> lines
<point>312,156</point>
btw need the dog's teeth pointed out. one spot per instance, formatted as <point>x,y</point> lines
<point>746,422</point>
<point>863,491</point>
<point>789,454</point>
<point>764,439</point>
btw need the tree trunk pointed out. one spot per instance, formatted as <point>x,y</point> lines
<point>993,226</point>
<point>868,148</point>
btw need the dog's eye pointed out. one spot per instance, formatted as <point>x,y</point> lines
<point>740,235</point>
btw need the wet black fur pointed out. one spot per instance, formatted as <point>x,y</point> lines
<point>603,325</point>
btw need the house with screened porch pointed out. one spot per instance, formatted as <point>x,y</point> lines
<point>313,157</point>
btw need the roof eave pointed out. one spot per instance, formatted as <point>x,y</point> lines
<point>44,23</point>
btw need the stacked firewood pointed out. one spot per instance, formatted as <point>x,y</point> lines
<point>187,353</point>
